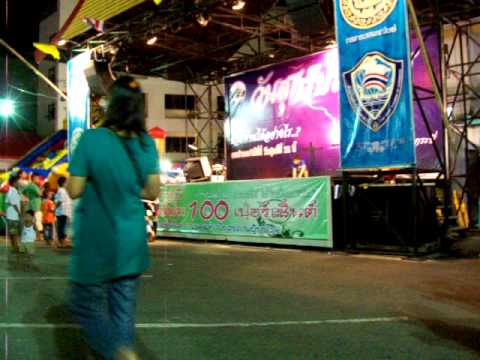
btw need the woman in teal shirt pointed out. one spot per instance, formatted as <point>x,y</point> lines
<point>112,169</point>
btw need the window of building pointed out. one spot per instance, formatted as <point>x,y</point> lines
<point>51,111</point>
<point>178,144</point>
<point>179,102</point>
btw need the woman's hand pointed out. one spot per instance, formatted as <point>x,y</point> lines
<point>151,190</point>
<point>76,186</point>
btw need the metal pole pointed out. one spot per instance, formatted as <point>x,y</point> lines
<point>34,69</point>
<point>6,68</point>
<point>414,212</point>
<point>186,122</point>
<point>210,119</point>
<point>447,186</point>
<point>226,136</point>
<point>426,59</point>
<point>465,120</point>
<point>444,65</point>
<point>7,80</point>
<point>348,243</point>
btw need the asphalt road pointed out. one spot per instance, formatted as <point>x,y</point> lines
<point>202,301</point>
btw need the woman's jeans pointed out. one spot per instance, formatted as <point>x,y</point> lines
<point>106,313</point>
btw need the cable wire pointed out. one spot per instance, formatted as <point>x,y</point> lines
<point>32,93</point>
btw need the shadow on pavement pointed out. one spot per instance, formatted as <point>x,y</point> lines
<point>466,336</point>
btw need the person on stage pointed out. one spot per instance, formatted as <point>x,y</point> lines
<point>299,168</point>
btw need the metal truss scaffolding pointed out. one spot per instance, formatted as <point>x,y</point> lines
<point>205,122</point>
<point>453,194</point>
<point>462,81</point>
<point>402,210</point>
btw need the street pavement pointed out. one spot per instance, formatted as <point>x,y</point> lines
<point>210,301</point>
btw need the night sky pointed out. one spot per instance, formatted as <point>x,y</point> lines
<point>19,28</point>
<point>23,20</point>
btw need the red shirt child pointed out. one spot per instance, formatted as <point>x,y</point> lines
<point>48,219</point>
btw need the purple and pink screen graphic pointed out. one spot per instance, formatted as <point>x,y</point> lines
<point>424,102</point>
<point>292,108</point>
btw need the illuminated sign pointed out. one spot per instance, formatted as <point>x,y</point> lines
<point>284,110</point>
<point>78,92</point>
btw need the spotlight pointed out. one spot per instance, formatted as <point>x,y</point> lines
<point>7,107</point>
<point>202,18</point>
<point>62,42</point>
<point>152,40</point>
<point>238,4</point>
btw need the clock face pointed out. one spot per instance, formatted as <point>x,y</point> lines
<point>365,14</point>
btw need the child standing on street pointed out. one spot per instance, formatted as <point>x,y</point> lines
<point>13,213</point>
<point>29,234</point>
<point>48,211</point>
<point>63,212</point>
<point>33,193</point>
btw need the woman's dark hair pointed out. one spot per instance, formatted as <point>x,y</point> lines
<point>126,110</point>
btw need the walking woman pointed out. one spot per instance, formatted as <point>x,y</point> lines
<point>112,169</point>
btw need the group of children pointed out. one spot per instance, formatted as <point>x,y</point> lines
<point>32,212</point>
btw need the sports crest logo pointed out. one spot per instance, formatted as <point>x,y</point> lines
<point>365,14</point>
<point>374,88</point>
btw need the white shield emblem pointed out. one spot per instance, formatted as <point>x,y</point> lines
<point>374,88</point>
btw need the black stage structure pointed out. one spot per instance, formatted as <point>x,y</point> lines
<point>200,42</point>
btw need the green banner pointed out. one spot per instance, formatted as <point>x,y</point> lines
<point>283,211</point>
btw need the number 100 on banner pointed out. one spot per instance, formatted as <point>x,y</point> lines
<point>290,211</point>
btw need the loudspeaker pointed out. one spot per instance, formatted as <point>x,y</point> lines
<point>98,77</point>
<point>308,16</point>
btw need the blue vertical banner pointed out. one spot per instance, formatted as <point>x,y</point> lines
<point>78,92</point>
<point>376,107</point>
